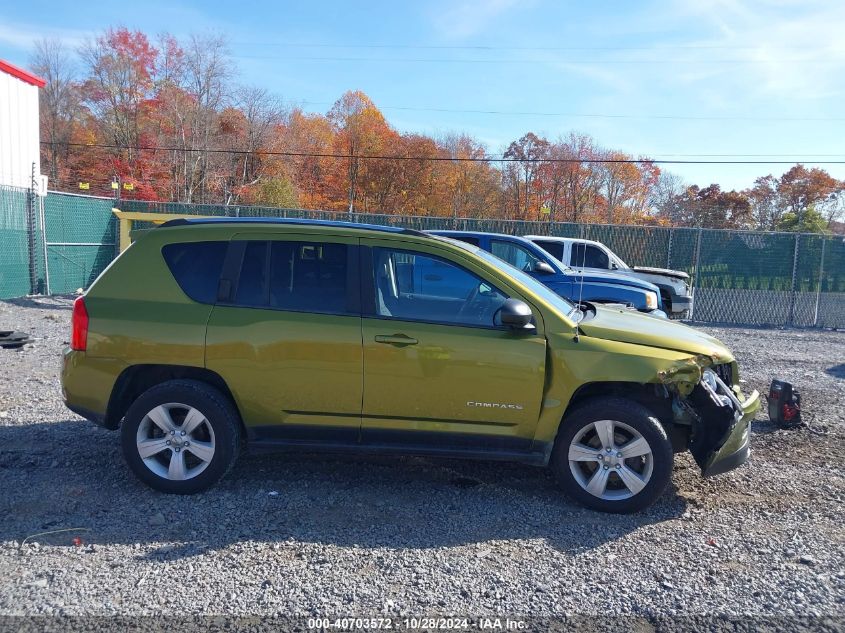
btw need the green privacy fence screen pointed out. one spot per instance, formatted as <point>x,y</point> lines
<point>743,277</point>
<point>81,234</point>
<point>14,242</point>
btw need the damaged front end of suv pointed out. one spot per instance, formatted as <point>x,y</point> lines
<point>687,378</point>
<point>706,400</point>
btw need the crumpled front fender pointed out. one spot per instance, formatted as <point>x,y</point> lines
<point>684,375</point>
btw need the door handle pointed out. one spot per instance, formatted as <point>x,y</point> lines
<point>432,277</point>
<point>399,340</point>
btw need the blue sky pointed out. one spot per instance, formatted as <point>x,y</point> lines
<point>676,78</point>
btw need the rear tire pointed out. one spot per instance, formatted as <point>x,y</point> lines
<point>628,477</point>
<point>181,437</point>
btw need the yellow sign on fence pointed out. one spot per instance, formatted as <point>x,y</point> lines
<point>126,218</point>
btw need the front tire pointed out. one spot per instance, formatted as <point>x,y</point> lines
<point>612,455</point>
<point>181,437</point>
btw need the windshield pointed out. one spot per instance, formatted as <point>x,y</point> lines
<point>562,304</point>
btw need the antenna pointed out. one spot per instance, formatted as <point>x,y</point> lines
<point>583,263</point>
<point>581,288</point>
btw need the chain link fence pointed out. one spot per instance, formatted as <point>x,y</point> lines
<point>14,242</point>
<point>739,277</point>
<point>22,267</point>
<point>80,240</point>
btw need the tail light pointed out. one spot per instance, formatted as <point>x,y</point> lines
<point>79,326</point>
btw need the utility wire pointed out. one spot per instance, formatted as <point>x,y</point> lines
<point>481,47</point>
<point>449,60</point>
<point>490,159</point>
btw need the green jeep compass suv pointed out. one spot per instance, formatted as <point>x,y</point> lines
<point>209,335</point>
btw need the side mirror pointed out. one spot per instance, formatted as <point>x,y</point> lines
<point>516,315</point>
<point>543,268</point>
<point>614,266</point>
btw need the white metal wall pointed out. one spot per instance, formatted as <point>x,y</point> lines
<point>19,136</point>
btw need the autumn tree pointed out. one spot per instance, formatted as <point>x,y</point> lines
<point>251,125</point>
<point>468,182</point>
<point>624,186</point>
<point>802,189</point>
<point>310,137</point>
<point>527,154</point>
<point>766,202</point>
<point>121,67</point>
<point>580,179</point>
<point>193,91</point>
<point>360,129</point>
<point>60,109</point>
<point>710,207</point>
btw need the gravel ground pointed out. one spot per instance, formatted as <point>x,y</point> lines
<point>328,535</point>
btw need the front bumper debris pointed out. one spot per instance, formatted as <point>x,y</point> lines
<point>733,449</point>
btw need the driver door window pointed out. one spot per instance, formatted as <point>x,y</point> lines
<point>514,254</point>
<point>412,286</point>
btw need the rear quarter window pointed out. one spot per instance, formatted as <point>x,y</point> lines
<point>196,267</point>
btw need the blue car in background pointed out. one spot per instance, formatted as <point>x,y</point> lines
<point>525,255</point>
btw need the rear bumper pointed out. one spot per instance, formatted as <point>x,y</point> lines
<point>737,446</point>
<point>87,384</point>
<point>91,416</point>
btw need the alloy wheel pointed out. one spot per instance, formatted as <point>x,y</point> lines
<point>175,441</point>
<point>610,460</point>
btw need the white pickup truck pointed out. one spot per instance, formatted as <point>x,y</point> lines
<point>578,253</point>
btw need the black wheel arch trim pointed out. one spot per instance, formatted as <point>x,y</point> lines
<point>136,379</point>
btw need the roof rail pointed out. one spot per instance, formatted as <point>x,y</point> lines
<point>294,222</point>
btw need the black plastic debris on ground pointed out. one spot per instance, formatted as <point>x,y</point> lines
<point>13,340</point>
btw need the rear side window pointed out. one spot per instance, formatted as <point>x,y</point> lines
<point>555,249</point>
<point>295,276</point>
<point>196,267</point>
<point>308,277</point>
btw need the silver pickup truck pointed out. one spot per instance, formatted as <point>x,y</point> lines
<point>587,254</point>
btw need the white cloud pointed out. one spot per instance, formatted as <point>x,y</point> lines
<point>24,36</point>
<point>784,48</point>
<point>465,18</point>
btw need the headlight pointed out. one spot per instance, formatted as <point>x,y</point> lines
<point>651,300</point>
<point>709,376</point>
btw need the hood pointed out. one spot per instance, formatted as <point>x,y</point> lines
<point>677,274</point>
<point>611,278</point>
<point>629,326</point>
